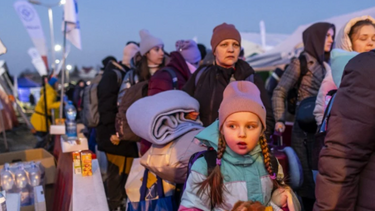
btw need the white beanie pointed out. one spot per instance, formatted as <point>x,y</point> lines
<point>129,51</point>
<point>148,41</point>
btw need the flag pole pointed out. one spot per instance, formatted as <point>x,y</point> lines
<point>63,74</point>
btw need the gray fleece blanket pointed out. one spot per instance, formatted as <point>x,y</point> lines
<point>160,118</point>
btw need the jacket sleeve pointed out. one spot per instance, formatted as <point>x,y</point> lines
<point>349,142</point>
<point>270,121</point>
<point>190,199</point>
<point>286,83</point>
<point>159,82</point>
<point>320,104</point>
<point>51,101</point>
<point>189,87</point>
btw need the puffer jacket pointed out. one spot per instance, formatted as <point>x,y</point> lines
<point>38,119</point>
<point>210,87</point>
<point>309,87</point>
<point>339,58</point>
<point>346,178</point>
<point>343,44</point>
<point>245,177</point>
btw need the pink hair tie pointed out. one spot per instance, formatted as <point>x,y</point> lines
<point>218,161</point>
<point>273,177</point>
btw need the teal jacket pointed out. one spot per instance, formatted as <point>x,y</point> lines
<point>245,176</point>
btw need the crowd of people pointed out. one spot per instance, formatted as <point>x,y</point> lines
<point>240,114</point>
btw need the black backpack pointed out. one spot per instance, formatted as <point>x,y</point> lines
<point>292,96</point>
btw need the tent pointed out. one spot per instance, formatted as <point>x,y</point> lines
<point>292,46</point>
<point>252,42</point>
<point>26,87</point>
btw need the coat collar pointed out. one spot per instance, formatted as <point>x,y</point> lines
<point>210,136</point>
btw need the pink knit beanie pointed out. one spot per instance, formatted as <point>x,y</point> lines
<point>240,96</point>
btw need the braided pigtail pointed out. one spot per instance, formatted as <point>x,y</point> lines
<point>266,155</point>
<point>215,180</point>
<point>268,164</point>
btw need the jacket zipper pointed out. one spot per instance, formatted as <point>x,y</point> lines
<point>212,99</point>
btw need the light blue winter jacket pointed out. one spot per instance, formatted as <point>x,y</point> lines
<point>245,176</point>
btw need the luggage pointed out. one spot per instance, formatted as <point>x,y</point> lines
<point>170,161</point>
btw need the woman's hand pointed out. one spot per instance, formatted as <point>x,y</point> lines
<point>115,140</point>
<point>282,197</point>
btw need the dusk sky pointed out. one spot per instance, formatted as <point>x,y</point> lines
<point>107,25</point>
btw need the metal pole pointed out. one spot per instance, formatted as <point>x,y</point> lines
<point>3,125</point>
<point>63,74</point>
<point>45,102</point>
<point>50,17</point>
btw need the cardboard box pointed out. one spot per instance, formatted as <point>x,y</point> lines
<point>45,158</point>
<point>57,129</point>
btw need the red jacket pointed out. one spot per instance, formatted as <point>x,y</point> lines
<point>162,80</point>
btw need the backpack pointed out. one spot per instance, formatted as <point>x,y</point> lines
<point>203,69</point>
<point>322,132</point>
<point>90,113</point>
<point>128,80</point>
<point>132,90</point>
<point>305,115</point>
<point>292,96</point>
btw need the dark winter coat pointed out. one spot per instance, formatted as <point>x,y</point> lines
<point>162,80</point>
<point>210,87</point>
<point>107,97</point>
<point>346,178</point>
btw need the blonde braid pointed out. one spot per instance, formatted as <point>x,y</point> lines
<point>221,146</point>
<point>266,155</point>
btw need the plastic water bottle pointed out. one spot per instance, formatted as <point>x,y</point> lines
<point>3,205</point>
<point>21,185</point>
<point>34,175</point>
<point>71,129</point>
<point>7,178</point>
<point>70,111</point>
<point>20,177</point>
<point>71,125</point>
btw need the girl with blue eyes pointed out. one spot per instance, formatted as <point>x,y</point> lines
<point>243,171</point>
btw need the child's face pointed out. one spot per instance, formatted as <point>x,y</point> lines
<point>242,131</point>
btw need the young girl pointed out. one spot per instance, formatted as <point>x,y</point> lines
<point>244,170</point>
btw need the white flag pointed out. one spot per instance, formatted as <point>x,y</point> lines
<point>31,21</point>
<point>3,49</point>
<point>73,32</point>
<point>37,61</point>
